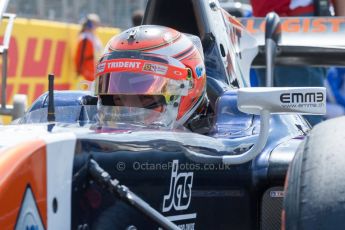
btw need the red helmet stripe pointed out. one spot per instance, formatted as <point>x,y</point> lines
<point>181,44</point>
<point>141,66</point>
<point>184,53</point>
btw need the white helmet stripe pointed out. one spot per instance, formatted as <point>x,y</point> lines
<point>181,44</point>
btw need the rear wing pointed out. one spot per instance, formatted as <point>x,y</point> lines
<point>313,41</point>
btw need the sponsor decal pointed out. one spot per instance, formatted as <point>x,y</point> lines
<point>299,100</point>
<point>155,68</point>
<point>298,25</point>
<point>123,64</point>
<point>29,217</point>
<point>199,71</point>
<point>302,97</point>
<point>179,196</point>
<point>178,73</point>
<point>277,194</point>
<point>100,68</point>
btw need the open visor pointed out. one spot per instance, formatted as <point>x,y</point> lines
<point>129,83</point>
<point>121,116</point>
<point>133,73</point>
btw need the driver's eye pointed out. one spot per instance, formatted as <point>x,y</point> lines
<point>147,101</point>
<point>117,101</point>
<point>141,101</point>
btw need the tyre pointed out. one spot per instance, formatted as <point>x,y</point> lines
<point>315,185</point>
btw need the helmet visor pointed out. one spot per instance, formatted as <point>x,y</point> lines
<point>133,73</point>
<point>131,83</point>
<point>140,89</point>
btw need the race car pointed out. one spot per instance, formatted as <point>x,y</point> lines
<point>61,170</point>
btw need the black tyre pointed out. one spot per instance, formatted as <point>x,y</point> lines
<point>315,186</point>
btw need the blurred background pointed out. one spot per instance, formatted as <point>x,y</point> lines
<point>45,36</point>
<point>115,13</point>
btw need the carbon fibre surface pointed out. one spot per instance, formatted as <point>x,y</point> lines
<point>271,208</point>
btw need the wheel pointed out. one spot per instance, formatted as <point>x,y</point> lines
<point>315,185</point>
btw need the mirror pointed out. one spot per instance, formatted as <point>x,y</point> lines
<point>282,100</point>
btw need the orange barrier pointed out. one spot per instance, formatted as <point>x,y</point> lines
<point>38,48</point>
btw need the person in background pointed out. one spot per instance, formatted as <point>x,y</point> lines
<point>335,82</point>
<point>339,6</point>
<point>137,17</point>
<point>89,48</point>
<point>335,85</point>
<point>296,76</point>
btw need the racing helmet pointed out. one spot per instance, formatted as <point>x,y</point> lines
<point>151,74</point>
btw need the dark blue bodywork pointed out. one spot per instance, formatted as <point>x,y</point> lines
<point>221,196</point>
<point>199,195</point>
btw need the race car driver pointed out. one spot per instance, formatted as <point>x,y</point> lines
<point>89,47</point>
<point>153,76</point>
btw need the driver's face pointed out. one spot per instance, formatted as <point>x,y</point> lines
<point>155,102</point>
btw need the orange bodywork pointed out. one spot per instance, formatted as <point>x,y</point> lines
<point>22,166</point>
